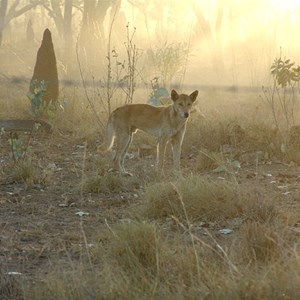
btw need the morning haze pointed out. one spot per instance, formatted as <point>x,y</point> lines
<point>185,42</point>
<point>149,149</point>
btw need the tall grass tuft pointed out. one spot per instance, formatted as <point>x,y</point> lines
<point>27,172</point>
<point>259,242</point>
<point>10,287</point>
<point>100,183</point>
<point>203,199</point>
<point>138,246</point>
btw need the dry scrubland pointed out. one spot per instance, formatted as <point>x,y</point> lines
<point>142,238</point>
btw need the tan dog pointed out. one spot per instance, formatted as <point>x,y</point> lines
<point>166,123</point>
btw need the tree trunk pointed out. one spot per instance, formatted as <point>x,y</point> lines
<point>204,31</point>
<point>68,47</point>
<point>92,26</point>
<point>63,21</point>
<point>57,17</point>
<point>68,19</point>
<point>3,9</point>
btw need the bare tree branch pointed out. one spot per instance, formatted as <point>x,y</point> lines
<point>14,13</point>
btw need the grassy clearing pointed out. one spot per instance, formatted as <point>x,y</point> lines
<point>148,259</point>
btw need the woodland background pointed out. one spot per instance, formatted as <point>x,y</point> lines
<point>222,42</point>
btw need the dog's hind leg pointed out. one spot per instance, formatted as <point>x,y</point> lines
<point>123,141</point>
<point>124,154</point>
<point>109,138</point>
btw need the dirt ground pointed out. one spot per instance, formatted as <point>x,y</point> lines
<point>40,224</point>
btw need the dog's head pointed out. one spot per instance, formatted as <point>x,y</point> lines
<point>183,103</point>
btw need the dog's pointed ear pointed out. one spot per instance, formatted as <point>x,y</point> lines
<point>174,95</point>
<point>194,95</point>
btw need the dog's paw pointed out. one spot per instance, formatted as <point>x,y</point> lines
<point>126,174</point>
<point>112,170</point>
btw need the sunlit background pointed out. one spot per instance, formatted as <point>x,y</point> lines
<point>183,42</point>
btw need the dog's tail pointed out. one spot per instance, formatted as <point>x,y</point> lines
<point>109,137</point>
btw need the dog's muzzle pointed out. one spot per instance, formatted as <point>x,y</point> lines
<point>186,115</point>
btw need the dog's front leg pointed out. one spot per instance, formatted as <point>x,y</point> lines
<point>176,142</point>
<point>161,149</point>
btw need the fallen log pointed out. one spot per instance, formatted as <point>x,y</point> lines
<point>25,125</point>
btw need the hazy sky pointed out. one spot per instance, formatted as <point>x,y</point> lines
<point>217,41</point>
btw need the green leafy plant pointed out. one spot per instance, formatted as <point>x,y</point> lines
<point>23,167</point>
<point>17,148</point>
<point>159,94</point>
<point>285,73</point>
<point>39,107</point>
<point>282,96</point>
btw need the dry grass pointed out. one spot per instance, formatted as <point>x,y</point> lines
<point>262,211</point>
<point>201,198</point>
<point>100,183</point>
<point>274,281</point>
<point>209,135</point>
<point>262,136</point>
<point>10,287</point>
<point>26,171</point>
<point>138,246</point>
<point>259,242</point>
<point>208,160</point>
<point>140,261</point>
<point>98,178</point>
<point>149,259</point>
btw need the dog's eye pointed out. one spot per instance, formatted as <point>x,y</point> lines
<point>180,104</point>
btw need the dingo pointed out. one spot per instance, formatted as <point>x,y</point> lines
<point>166,123</point>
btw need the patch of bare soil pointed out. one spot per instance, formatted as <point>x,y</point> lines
<point>40,222</point>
